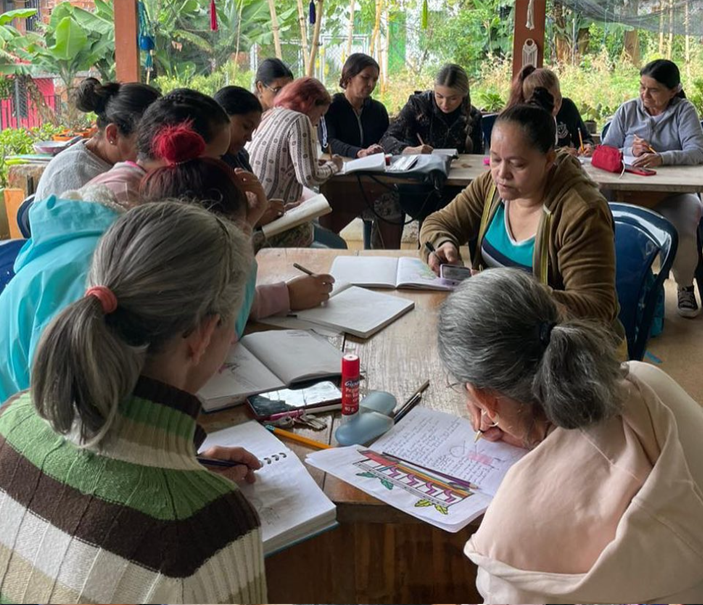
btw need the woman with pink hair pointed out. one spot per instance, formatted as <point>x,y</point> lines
<point>284,150</point>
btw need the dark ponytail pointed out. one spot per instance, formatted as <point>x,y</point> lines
<point>535,118</point>
<point>516,92</point>
<point>120,104</point>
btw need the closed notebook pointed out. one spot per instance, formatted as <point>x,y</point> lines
<point>352,310</point>
<point>266,361</point>
<point>291,505</point>
<point>387,272</point>
<point>306,211</point>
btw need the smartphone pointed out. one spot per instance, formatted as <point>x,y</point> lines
<point>454,274</point>
<point>641,170</point>
<point>321,397</point>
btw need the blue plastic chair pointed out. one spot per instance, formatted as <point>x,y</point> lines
<point>9,249</point>
<point>23,216</point>
<point>604,131</point>
<point>640,236</point>
<point>487,122</point>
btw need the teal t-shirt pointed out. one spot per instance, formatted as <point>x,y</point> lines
<point>499,249</point>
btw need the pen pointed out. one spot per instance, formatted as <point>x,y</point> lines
<point>411,402</point>
<point>430,248</point>
<point>303,269</point>
<point>648,145</point>
<point>290,414</point>
<point>299,438</point>
<point>218,463</point>
<point>419,138</point>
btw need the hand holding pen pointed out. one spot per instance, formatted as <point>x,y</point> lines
<point>236,463</point>
<point>310,291</point>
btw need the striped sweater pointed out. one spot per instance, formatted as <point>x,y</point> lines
<point>284,155</point>
<point>138,521</point>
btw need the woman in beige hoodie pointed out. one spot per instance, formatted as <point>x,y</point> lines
<point>608,504</point>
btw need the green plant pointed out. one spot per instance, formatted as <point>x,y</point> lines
<point>19,141</point>
<point>76,40</point>
<point>488,101</point>
<point>14,54</point>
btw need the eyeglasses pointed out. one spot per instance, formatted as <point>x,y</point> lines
<point>275,91</point>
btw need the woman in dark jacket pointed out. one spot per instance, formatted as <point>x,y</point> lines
<point>442,118</point>
<point>355,122</point>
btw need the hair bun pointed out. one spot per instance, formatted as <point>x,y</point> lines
<point>542,98</point>
<point>93,96</point>
<point>178,143</point>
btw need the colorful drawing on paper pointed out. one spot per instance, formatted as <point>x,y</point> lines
<point>430,489</point>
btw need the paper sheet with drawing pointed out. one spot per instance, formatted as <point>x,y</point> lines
<point>445,443</point>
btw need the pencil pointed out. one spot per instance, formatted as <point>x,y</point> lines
<point>303,269</point>
<point>218,463</point>
<point>580,141</point>
<point>419,138</point>
<point>299,438</point>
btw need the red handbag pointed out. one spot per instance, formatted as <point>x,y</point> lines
<point>607,158</point>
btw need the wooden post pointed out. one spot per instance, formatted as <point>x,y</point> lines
<point>126,41</point>
<point>521,32</point>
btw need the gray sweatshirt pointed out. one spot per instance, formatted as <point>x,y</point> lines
<point>676,134</point>
<point>69,170</point>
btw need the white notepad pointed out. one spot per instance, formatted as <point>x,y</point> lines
<point>357,311</point>
<point>449,152</point>
<point>306,211</point>
<point>386,272</point>
<point>266,361</point>
<point>290,504</point>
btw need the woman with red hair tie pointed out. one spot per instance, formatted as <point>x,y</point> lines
<point>284,152</point>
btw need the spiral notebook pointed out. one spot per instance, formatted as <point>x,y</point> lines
<point>291,506</point>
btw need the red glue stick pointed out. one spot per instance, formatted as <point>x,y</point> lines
<point>350,386</point>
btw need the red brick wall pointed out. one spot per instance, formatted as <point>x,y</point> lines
<point>48,5</point>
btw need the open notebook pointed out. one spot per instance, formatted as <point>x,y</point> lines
<point>290,504</point>
<point>428,466</point>
<point>266,361</point>
<point>353,310</point>
<point>306,211</point>
<point>386,272</point>
<point>371,163</point>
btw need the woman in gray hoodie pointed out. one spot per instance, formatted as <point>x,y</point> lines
<point>662,128</point>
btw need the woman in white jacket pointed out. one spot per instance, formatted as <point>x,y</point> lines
<point>607,506</point>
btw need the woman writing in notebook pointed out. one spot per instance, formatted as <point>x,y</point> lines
<point>440,118</point>
<point>118,108</point>
<point>662,127</point>
<point>53,267</point>
<point>535,210</point>
<point>283,152</point>
<point>105,472</point>
<point>615,467</point>
<point>212,183</point>
<point>352,128</point>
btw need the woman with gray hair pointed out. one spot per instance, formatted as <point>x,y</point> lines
<point>97,461</point>
<point>615,467</point>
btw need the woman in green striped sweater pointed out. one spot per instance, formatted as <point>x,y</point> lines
<point>102,499</point>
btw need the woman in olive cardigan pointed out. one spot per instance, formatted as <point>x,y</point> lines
<point>536,210</point>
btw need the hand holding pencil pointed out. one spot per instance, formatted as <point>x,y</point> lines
<point>647,157</point>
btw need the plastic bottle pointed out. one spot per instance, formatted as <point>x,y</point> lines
<point>350,387</point>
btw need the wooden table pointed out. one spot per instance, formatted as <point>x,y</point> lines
<point>378,554</point>
<point>672,179</point>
